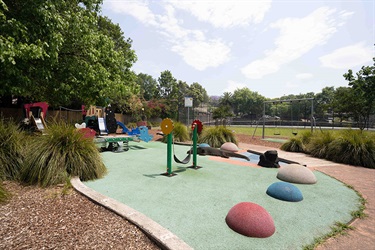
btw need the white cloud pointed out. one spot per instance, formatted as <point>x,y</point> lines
<point>224,14</point>
<point>304,76</point>
<point>203,54</point>
<point>348,57</point>
<point>232,86</point>
<point>297,37</point>
<point>196,50</point>
<point>137,9</point>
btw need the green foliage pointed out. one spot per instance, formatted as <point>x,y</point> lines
<point>298,143</point>
<point>148,86</point>
<point>131,125</point>
<point>217,136</point>
<point>246,101</point>
<point>180,133</point>
<point>363,92</point>
<point>353,147</point>
<point>305,136</point>
<point>63,51</point>
<point>319,144</point>
<point>294,145</point>
<point>198,93</point>
<point>59,154</point>
<point>12,150</point>
<point>222,112</point>
<point>337,229</point>
<point>4,194</point>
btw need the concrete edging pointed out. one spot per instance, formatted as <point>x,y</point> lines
<point>163,237</point>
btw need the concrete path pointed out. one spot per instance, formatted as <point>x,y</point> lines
<point>361,179</point>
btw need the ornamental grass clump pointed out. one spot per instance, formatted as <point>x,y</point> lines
<point>12,150</point>
<point>217,136</point>
<point>61,153</point>
<point>4,194</point>
<point>180,133</point>
<point>299,143</point>
<point>353,147</point>
<point>319,144</point>
<point>295,144</point>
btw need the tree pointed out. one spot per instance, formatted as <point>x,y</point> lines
<point>168,90</point>
<point>323,101</point>
<point>363,87</point>
<point>247,102</point>
<point>198,93</point>
<point>343,103</point>
<point>148,86</point>
<point>226,99</point>
<point>222,112</point>
<point>166,84</point>
<point>61,51</point>
<point>183,91</point>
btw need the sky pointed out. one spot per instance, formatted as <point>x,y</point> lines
<point>274,48</point>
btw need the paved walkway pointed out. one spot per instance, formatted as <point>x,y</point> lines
<point>361,179</point>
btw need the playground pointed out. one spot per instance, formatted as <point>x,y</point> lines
<point>194,204</point>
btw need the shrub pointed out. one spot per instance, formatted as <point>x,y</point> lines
<point>4,194</point>
<point>306,136</point>
<point>12,145</point>
<point>293,145</point>
<point>60,153</point>
<point>131,125</point>
<point>217,136</point>
<point>319,143</point>
<point>353,147</point>
<point>180,133</point>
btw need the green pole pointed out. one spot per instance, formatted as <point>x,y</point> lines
<point>195,139</point>
<point>169,153</point>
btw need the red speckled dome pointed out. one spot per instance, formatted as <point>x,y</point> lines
<point>251,220</point>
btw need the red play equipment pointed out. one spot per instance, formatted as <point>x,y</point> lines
<point>36,112</point>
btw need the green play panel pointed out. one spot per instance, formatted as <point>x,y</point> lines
<point>194,203</point>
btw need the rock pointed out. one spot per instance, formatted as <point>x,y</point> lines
<point>296,173</point>
<point>229,146</point>
<point>251,220</point>
<point>284,191</point>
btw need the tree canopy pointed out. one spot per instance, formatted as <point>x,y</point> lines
<point>60,51</point>
<point>363,92</point>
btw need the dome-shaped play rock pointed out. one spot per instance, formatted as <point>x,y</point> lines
<point>203,145</point>
<point>296,173</point>
<point>284,191</point>
<point>229,146</point>
<point>251,220</point>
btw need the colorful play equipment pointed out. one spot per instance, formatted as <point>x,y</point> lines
<point>125,130</point>
<point>167,129</point>
<point>104,122</point>
<point>115,143</point>
<point>284,191</point>
<point>35,114</point>
<point>251,220</point>
<point>295,173</point>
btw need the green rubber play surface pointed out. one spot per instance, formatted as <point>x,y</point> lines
<point>194,203</point>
